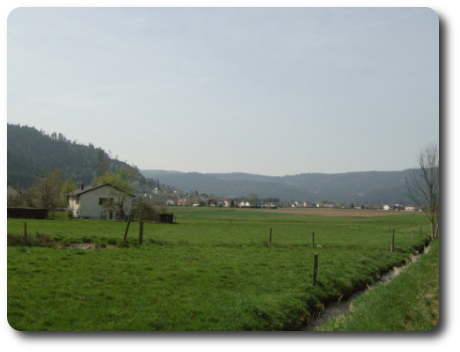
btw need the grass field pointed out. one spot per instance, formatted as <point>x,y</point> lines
<point>213,270</point>
<point>410,302</point>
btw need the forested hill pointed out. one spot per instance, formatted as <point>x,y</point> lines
<point>31,153</point>
<point>353,187</point>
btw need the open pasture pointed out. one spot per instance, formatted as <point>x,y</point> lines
<point>213,270</point>
<point>335,212</point>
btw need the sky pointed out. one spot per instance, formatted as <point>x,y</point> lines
<point>270,91</point>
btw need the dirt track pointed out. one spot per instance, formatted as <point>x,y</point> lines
<point>335,212</point>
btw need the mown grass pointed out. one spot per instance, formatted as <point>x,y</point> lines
<point>211,271</point>
<point>408,303</point>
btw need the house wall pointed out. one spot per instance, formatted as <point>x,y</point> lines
<point>89,204</point>
<point>74,208</point>
<point>12,193</point>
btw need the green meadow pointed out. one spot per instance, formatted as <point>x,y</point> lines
<point>213,270</point>
<point>410,302</point>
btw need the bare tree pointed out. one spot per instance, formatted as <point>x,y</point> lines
<point>253,199</point>
<point>143,210</point>
<point>47,192</point>
<point>423,185</point>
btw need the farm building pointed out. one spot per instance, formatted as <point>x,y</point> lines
<point>102,201</point>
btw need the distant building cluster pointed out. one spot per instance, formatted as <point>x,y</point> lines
<point>104,201</point>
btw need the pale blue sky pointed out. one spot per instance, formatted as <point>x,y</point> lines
<point>272,91</point>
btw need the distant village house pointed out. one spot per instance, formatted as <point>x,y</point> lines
<point>182,202</point>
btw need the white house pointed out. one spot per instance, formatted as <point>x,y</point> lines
<point>99,202</point>
<point>12,193</point>
<point>299,205</point>
<point>221,203</point>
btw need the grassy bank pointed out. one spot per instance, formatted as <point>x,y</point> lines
<point>410,302</point>
<point>212,271</point>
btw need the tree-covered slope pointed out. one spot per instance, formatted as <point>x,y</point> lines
<point>31,153</point>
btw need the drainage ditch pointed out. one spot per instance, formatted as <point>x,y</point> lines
<point>341,307</point>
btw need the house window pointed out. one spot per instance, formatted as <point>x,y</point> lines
<point>105,201</point>
<point>77,200</point>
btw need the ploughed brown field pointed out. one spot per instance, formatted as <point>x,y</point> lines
<point>334,212</point>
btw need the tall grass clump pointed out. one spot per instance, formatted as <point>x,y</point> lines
<point>37,240</point>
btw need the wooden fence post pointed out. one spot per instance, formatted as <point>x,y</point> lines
<point>25,230</point>
<point>393,242</point>
<point>126,231</point>
<point>270,238</point>
<point>141,232</point>
<point>313,240</point>
<point>412,235</point>
<point>315,269</point>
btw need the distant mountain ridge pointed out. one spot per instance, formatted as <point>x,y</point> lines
<point>352,187</point>
<point>31,153</point>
